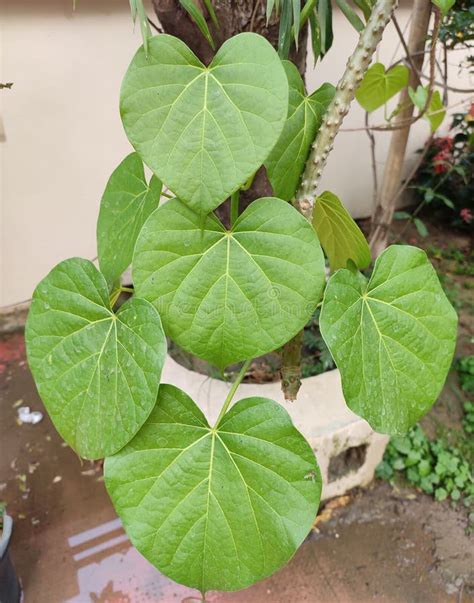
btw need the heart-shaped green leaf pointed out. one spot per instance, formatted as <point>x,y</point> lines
<point>341,238</point>
<point>230,295</point>
<point>378,85</point>
<point>444,5</point>
<point>436,111</point>
<point>285,164</point>
<point>97,372</point>
<point>392,337</point>
<point>126,203</point>
<point>215,509</point>
<point>205,130</point>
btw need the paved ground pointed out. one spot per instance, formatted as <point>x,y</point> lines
<point>68,546</point>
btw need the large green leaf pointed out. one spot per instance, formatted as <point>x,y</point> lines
<point>378,85</point>
<point>230,295</point>
<point>215,509</point>
<point>97,372</point>
<point>341,238</point>
<point>285,164</point>
<point>392,337</point>
<point>205,130</point>
<point>126,203</point>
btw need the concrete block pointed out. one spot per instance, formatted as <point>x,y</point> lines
<point>346,447</point>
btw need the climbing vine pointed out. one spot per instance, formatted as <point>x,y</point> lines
<point>218,507</point>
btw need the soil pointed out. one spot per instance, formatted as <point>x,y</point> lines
<point>380,543</point>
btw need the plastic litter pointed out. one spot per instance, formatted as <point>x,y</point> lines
<point>26,415</point>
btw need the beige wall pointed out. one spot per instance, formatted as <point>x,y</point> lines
<point>63,134</point>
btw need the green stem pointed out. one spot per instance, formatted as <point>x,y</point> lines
<point>114,297</point>
<point>232,391</point>
<point>234,207</point>
<point>248,184</point>
<point>116,294</point>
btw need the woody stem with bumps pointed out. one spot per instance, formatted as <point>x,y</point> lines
<point>357,66</point>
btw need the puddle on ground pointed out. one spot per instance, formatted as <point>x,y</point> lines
<point>107,575</point>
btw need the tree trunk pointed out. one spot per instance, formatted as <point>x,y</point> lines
<point>234,16</point>
<point>392,177</point>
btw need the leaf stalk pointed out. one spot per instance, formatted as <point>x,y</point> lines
<point>234,207</point>
<point>232,391</point>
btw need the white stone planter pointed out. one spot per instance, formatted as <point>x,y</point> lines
<point>347,449</point>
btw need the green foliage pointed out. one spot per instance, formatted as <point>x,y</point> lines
<point>434,467</point>
<point>316,357</point>
<point>203,133</point>
<point>468,420</point>
<point>285,163</point>
<point>350,15</point>
<point>216,508</point>
<point>435,112</point>
<point>293,15</point>
<point>392,337</point>
<point>126,203</point>
<point>465,368</point>
<point>444,183</point>
<point>341,238</point>
<point>379,86</point>
<point>262,280</point>
<point>222,507</point>
<point>138,11</point>
<point>324,16</point>
<point>97,372</point>
<point>444,5</point>
<point>457,30</point>
<point>196,14</point>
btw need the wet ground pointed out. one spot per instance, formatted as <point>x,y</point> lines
<point>68,546</point>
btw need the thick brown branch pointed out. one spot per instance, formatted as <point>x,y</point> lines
<point>384,210</point>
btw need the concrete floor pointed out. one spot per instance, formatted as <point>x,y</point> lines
<point>69,547</point>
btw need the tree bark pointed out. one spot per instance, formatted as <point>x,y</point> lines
<point>393,171</point>
<point>234,16</point>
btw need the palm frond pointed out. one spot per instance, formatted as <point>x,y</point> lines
<point>196,14</point>
<point>138,11</point>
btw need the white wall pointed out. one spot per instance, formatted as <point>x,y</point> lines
<point>62,127</point>
<point>63,134</point>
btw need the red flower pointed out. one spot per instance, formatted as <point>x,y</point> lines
<point>466,215</point>
<point>441,162</point>
<point>444,143</point>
